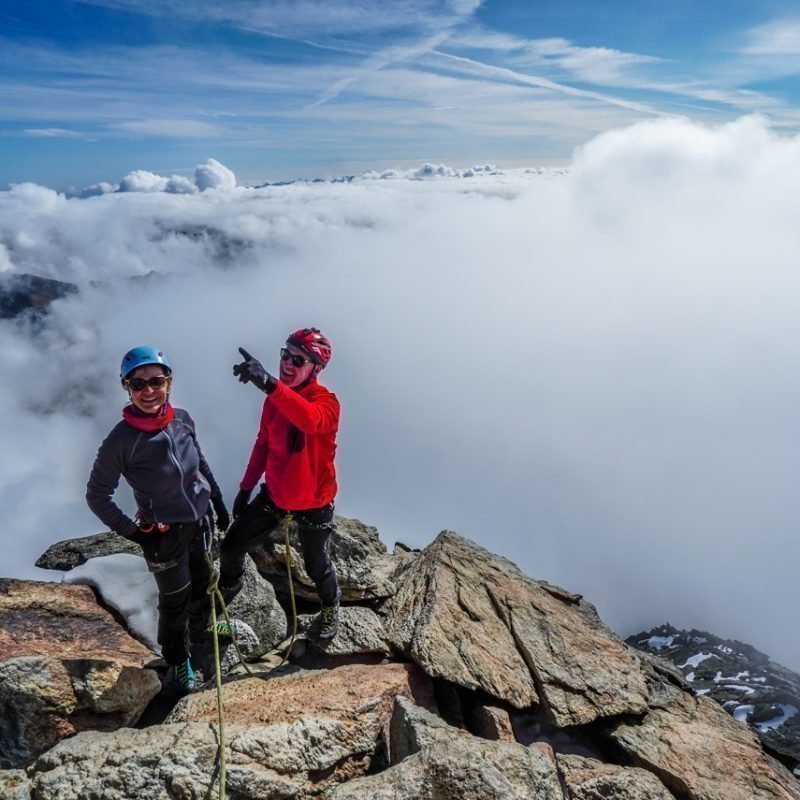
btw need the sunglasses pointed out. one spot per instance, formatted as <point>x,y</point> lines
<point>297,360</point>
<point>139,384</point>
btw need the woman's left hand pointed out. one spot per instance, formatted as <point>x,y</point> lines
<point>223,520</point>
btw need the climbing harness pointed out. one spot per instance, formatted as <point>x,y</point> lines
<point>148,527</point>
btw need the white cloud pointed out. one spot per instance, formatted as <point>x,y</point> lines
<point>776,38</point>
<point>434,171</point>
<point>210,175</point>
<point>177,128</point>
<point>35,198</point>
<point>178,184</point>
<point>433,32</point>
<point>598,65</point>
<point>601,65</point>
<point>743,99</point>
<point>407,92</point>
<point>480,169</point>
<point>141,180</point>
<point>449,105</point>
<point>97,189</point>
<point>491,72</point>
<point>429,170</point>
<point>308,18</point>
<point>464,7</point>
<point>377,62</point>
<point>6,264</point>
<point>52,133</point>
<point>213,175</point>
<point>589,373</point>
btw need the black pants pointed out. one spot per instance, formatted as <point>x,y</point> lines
<point>177,559</point>
<point>252,528</point>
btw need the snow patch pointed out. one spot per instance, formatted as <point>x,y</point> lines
<point>723,679</point>
<point>787,712</point>
<point>694,661</point>
<point>126,585</point>
<point>659,642</point>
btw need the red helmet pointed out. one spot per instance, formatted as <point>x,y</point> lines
<point>313,344</point>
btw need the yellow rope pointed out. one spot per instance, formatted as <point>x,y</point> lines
<point>286,524</point>
<point>213,589</point>
<point>214,593</point>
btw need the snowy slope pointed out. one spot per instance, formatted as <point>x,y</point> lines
<point>754,689</point>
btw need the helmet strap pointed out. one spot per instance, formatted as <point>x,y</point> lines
<point>311,377</point>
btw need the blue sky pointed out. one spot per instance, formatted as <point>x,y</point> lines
<point>92,89</point>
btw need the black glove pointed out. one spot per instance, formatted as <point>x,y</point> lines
<point>223,520</point>
<point>130,531</point>
<point>241,501</point>
<point>252,371</point>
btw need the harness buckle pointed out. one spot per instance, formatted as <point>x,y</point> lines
<point>148,527</point>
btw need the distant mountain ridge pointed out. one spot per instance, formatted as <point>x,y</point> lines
<point>743,680</point>
<point>25,294</point>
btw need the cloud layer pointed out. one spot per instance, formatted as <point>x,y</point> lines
<point>591,373</point>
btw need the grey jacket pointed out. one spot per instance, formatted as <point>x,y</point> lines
<point>166,469</point>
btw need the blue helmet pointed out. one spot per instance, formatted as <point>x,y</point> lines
<point>140,357</point>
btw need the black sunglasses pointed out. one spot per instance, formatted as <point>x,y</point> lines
<point>297,360</point>
<point>138,384</point>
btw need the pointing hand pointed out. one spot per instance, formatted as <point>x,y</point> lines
<point>251,371</point>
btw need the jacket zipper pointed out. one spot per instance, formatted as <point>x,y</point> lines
<point>174,456</point>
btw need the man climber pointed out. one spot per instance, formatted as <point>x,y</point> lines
<point>293,452</point>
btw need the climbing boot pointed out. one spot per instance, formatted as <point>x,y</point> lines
<point>182,679</point>
<point>329,621</point>
<point>229,589</point>
<point>224,631</point>
<point>202,661</point>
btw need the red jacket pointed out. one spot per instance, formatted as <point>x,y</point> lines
<point>295,446</point>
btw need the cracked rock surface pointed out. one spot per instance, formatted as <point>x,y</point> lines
<point>473,618</point>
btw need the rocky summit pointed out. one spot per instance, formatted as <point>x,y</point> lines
<point>743,680</point>
<point>453,675</point>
